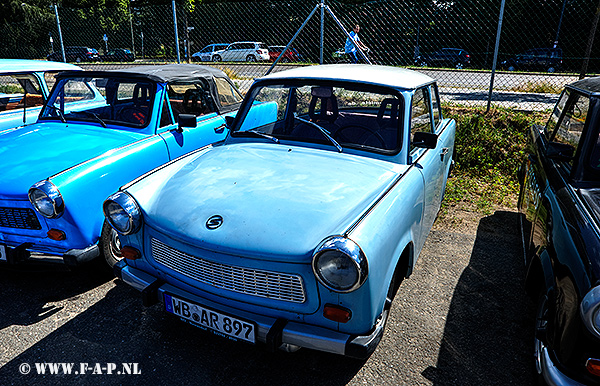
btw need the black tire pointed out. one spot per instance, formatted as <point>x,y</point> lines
<point>285,60</point>
<point>216,58</point>
<point>250,58</point>
<point>459,66</point>
<point>511,68</point>
<point>110,245</point>
<point>78,59</point>
<point>551,69</point>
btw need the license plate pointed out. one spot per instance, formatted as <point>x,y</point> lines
<point>213,321</point>
<point>3,253</point>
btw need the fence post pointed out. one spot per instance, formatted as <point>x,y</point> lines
<point>495,55</point>
<point>588,50</point>
<point>322,31</point>
<point>176,34</point>
<point>62,46</point>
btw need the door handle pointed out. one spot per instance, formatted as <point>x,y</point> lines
<point>444,152</point>
<point>220,129</point>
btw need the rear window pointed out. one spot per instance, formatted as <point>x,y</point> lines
<point>18,91</point>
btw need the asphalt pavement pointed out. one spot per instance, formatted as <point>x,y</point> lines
<point>462,318</point>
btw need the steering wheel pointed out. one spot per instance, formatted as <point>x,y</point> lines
<point>135,115</point>
<point>369,132</point>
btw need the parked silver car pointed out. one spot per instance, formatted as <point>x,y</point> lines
<point>243,52</point>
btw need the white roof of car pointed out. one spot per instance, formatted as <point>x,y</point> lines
<point>361,73</point>
<point>12,66</point>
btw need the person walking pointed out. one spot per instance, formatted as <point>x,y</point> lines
<point>350,48</point>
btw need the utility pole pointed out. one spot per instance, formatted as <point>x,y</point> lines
<point>588,50</point>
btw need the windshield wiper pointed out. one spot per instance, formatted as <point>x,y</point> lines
<point>94,115</point>
<point>60,113</point>
<point>322,130</point>
<point>260,134</point>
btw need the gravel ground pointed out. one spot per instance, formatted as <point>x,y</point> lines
<point>462,318</point>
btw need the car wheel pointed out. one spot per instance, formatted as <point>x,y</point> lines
<point>511,68</point>
<point>423,64</point>
<point>110,245</point>
<point>216,58</point>
<point>78,59</point>
<point>551,69</point>
<point>250,58</point>
<point>541,322</point>
<point>459,66</point>
<point>285,60</point>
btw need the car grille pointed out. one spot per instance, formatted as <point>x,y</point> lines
<point>21,218</point>
<point>250,281</point>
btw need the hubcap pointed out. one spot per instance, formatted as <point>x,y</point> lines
<point>115,245</point>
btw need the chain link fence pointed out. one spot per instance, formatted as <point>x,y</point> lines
<point>453,41</point>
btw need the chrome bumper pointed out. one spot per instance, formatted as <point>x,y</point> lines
<point>276,333</point>
<point>552,375</point>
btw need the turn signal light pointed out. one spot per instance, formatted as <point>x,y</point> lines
<point>130,253</point>
<point>337,313</point>
<point>593,366</point>
<point>56,235</point>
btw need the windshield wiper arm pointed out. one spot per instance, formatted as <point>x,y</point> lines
<point>60,113</point>
<point>322,130</point>
<point>260,134</point>
<point>94,115</point>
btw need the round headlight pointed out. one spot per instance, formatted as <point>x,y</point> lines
<point>590,311</point>
<point>339,264</point>
<point>46,199</point>
<point>123,213</point>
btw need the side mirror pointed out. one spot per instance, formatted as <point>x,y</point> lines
<point>229,121</point>
<point>560,151</point>
<point>425,140</point>
<point>185,120</point>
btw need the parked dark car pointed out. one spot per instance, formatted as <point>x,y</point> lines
<point>559,207</point>
<point>446,57</point>
<point>291,55</point>
<point>537,59</point>
<point>76,54</point>
<point>119,55</point>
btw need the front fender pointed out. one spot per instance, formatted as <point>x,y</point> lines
<point>85,187</point>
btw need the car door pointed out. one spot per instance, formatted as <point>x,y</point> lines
<point>433,163</point>
<point>189,99</point>
<point>232,52</point>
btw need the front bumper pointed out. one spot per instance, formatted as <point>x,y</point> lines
<point>72,257</point>
<point>552,375</point>
<point>276,333</point>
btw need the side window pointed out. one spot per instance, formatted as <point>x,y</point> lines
<point>228,95</point>
<point>165,114</point>
<point>190,99</point>
<point>420,117</point>
<point>571,125</point>
<point>18,91</point>
<point>556,113</point>
<point>436,109</point>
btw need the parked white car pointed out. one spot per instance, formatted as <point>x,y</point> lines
<point>242,52</point>
<point>206,54</point>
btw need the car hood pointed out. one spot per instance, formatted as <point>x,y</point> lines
<point>38,151</point>
<point>277,202</point>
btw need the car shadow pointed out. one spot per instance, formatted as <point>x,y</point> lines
<point>118,329</point>
<point>488,335</point>
<point>27,289</point>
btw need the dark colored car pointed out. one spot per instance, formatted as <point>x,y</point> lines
<point>291,55</point>
<point>76,54</point>
<point>446,57</point>
<point>119,55</point>
<point>559,207</point>
<point>537,59</point>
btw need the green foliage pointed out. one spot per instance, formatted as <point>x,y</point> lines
<point>489,149</point>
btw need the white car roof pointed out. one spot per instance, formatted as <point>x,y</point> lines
<point>12,66</point>
<point>362,73</point>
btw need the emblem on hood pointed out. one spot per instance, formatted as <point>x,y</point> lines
<point>214,222</point>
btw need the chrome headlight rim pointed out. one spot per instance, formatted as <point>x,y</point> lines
<point>353,252</point>
<point>51,192</point>
<point>129,206</point>
<point>590,311</point>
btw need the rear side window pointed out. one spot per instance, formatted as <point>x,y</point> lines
<point>18,91</point>
<point>571,125</point>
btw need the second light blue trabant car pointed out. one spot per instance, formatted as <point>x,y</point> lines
<point>24,88</point>
<point>298,230</point>
<point>99,130</point>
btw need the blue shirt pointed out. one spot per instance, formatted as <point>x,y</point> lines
<point>349,46</point>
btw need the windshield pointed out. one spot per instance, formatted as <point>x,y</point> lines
<point>103,100</point>
<point>343,116</point>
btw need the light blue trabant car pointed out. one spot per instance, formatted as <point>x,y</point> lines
<point>24,88</point>
<point>297,230</point>
<point>99,130</point>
